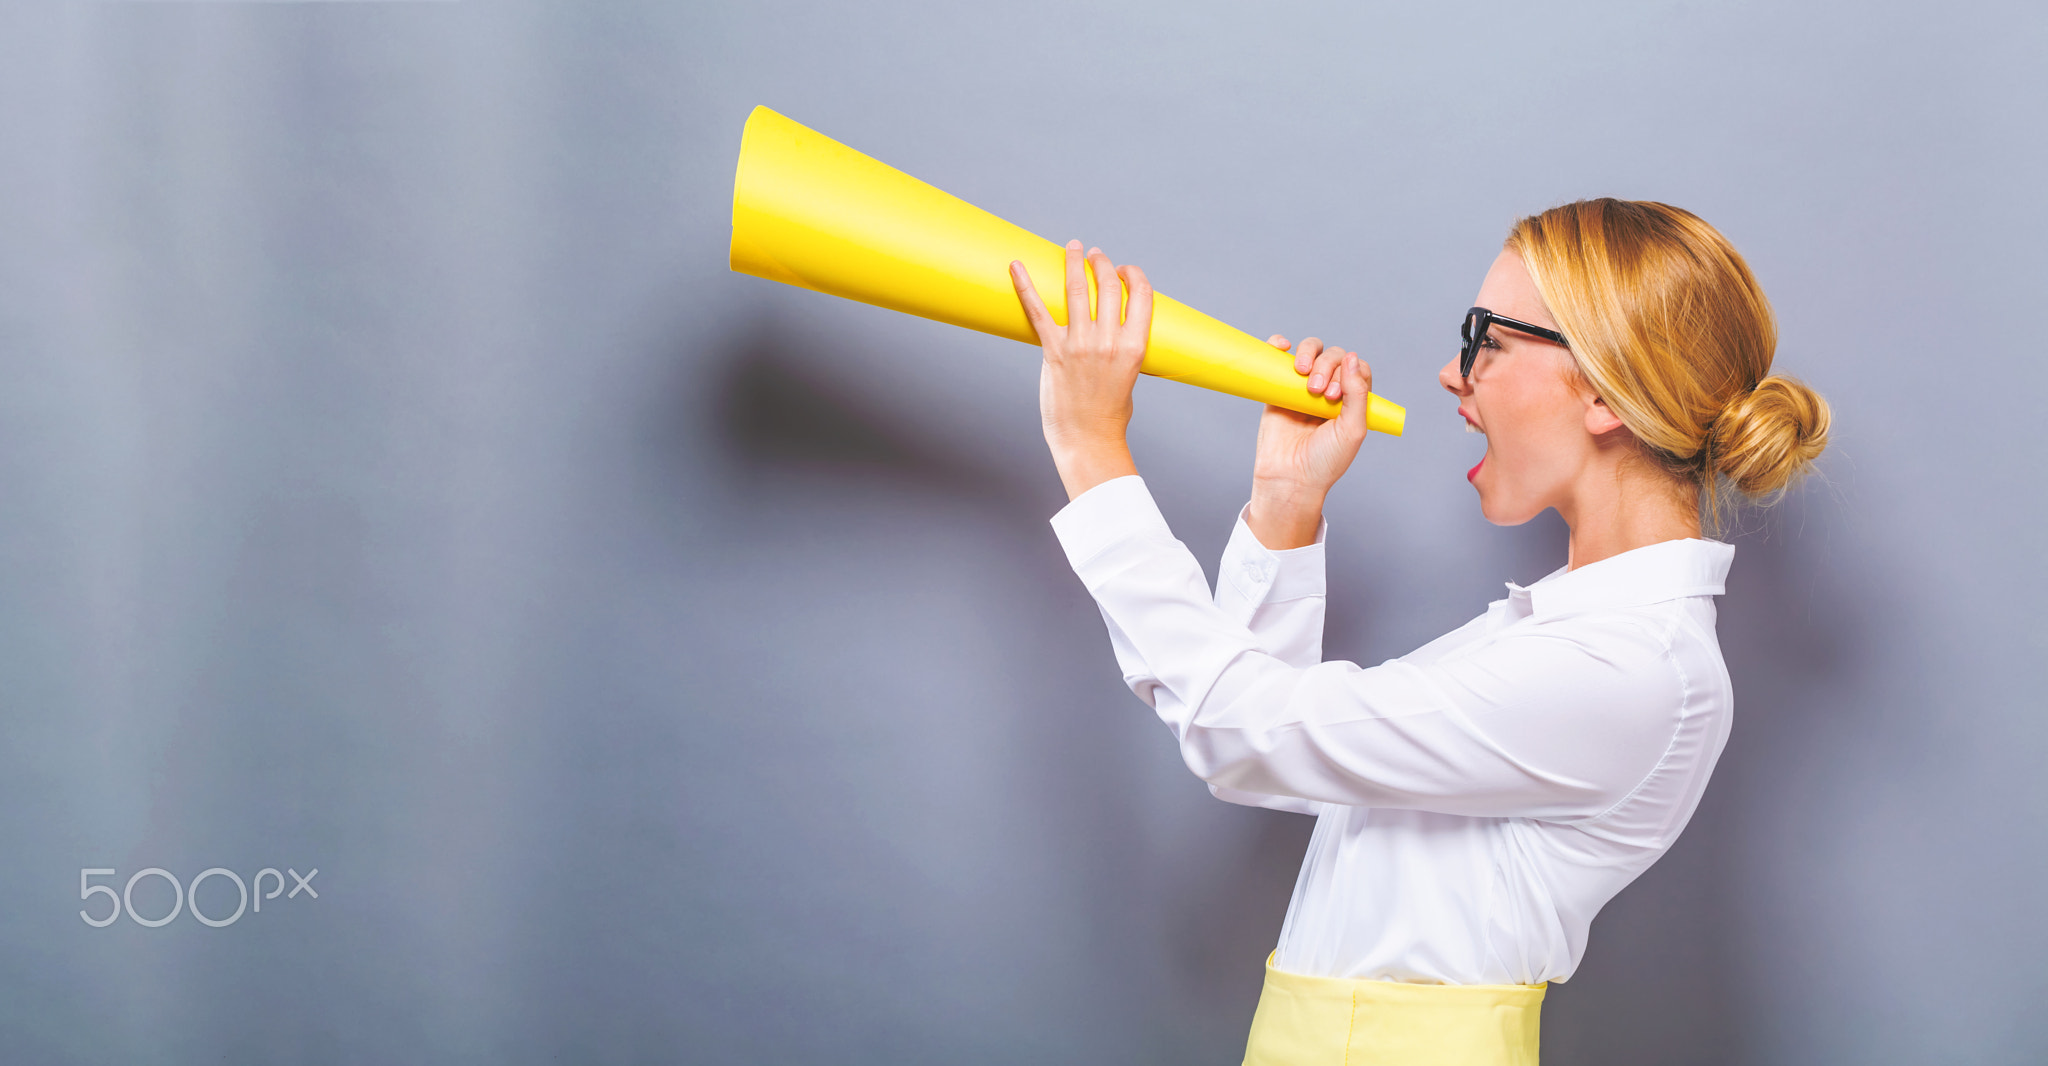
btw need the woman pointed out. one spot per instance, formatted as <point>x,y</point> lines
<point>1479,799</point>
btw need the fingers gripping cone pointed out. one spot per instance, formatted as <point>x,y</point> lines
<point>811,212</point>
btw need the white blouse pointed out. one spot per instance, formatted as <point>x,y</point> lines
<point>1477,800</point>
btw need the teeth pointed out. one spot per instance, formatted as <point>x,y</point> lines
<point>1470,428</point>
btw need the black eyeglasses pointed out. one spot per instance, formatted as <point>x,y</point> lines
<point>1474,331</point>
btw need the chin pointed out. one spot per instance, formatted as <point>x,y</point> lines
<point>1502,512</point>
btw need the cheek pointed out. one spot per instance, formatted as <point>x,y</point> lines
<point>1528,429</point>
<point>1513,425</point>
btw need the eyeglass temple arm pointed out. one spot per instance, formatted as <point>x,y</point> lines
<point>1524,327</point>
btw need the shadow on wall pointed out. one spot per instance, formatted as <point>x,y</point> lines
<point>782,406</point>
<point>1665,978</point>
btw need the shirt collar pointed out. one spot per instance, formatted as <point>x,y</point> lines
<point>1667,570</point>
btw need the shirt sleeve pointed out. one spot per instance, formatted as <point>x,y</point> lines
<point>1558,721</point>
<point>1278,596</point>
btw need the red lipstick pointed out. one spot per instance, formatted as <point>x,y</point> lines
<point>1474,472</point>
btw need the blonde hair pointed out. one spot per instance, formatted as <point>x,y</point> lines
<point>1670,328</point>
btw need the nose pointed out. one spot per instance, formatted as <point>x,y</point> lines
<point>1450,380</point>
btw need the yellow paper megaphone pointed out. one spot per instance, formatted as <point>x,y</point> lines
<point>811,212</point>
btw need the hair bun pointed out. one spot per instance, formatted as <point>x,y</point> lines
<point>1769,436</point>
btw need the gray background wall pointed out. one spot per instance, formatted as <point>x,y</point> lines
<point>660,664</point>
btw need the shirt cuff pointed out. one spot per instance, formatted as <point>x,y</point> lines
<point>1110,513</point>
<point>1261,575</point>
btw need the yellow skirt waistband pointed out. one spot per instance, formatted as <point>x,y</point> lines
<point>1332,1021</point>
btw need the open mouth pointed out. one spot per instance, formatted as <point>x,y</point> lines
<point>1471,424</point>
<point>1472,427</point>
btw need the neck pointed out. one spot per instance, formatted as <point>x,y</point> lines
<point>1625,506</point>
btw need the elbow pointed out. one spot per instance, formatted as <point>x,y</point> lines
<point>1244,720</point>
<point>1224,758</point>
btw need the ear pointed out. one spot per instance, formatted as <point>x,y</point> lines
<point>1600,419</point>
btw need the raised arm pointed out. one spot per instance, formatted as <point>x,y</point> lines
<point>1272,579</point>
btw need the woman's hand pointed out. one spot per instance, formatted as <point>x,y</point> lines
<point>1300,456</point>
<point>1091,363</point>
